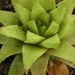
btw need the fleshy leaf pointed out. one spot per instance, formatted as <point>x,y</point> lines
<point>30,54</point>
<point>13,31</point>
<point>71,38</point>
<point>3,39</point>
<point>65,51</point>
<point>57,14</point>
<point>45,19</point>
<point>8,18</point>
<point>40,65</point>
<point>26,3</point>
<point>11,47</point>
<point>47,4</point>
<point>17,67</point>
<point>32,27</point>
<point>33,38</point>
<point>39,24</point>
<point>52,42</point>
<point>70,4</point>
<point>42,29</point>
<point>67,27</point>
<point>37,11</point>
<point>53,29</point>
<point>23,13</point>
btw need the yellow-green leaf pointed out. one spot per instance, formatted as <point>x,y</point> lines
<point>30,54</point>
<point>13,31</point>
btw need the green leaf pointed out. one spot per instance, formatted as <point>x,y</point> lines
<point>65,51</point>
<point>53,29</point>
<point>52,42</point>
<point>17,67</point>
<point>8,18</point>
<point>32,27</point>
<point>13,31</point>
<point>3,39</point>
<point>33,38</point>
<point>37,11</point>
<point>42,29</point>
<point>30,54</point>
<point>39,24</point>
<point>70,4</point>
<point>11,47</point>
<point>45,19</point>
<point>71,38</point>
<point>23,13</point>
<point>47,4</point>
<point>26,3</point>
<point>67,27</point>
<point>40,65</point>
<point>57,14</point>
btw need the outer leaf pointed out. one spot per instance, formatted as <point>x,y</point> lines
<point>23,13</point>
<point>47,4</point>
<point>13,31</point>
<point>30,54</point>
<point>70,4</point>
<point>65,51</point>
<point>10,48</point>
<point>66,62</point>
<point>40,65</point>
<point>52,42</point>
<point>33,38</point>
<point>17,67</point>
<point>37,11</point>
<point>71,38</point>
<point>67,27</point>
<point>57,14</point>
<point>53,29</point>
<point>8,18</point>
<point>32,26</point>
<point>26,3</point>
<point>3,39</point>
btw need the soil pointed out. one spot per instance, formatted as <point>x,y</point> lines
<point>4,66</point>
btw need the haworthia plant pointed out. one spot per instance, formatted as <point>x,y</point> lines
<point>46,30</point>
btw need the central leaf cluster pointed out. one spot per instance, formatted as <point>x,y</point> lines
<point>38,26</point>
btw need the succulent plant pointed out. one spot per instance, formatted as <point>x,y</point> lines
<point>37,32</point>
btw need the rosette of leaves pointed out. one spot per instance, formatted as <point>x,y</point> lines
<point>45,31</point>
